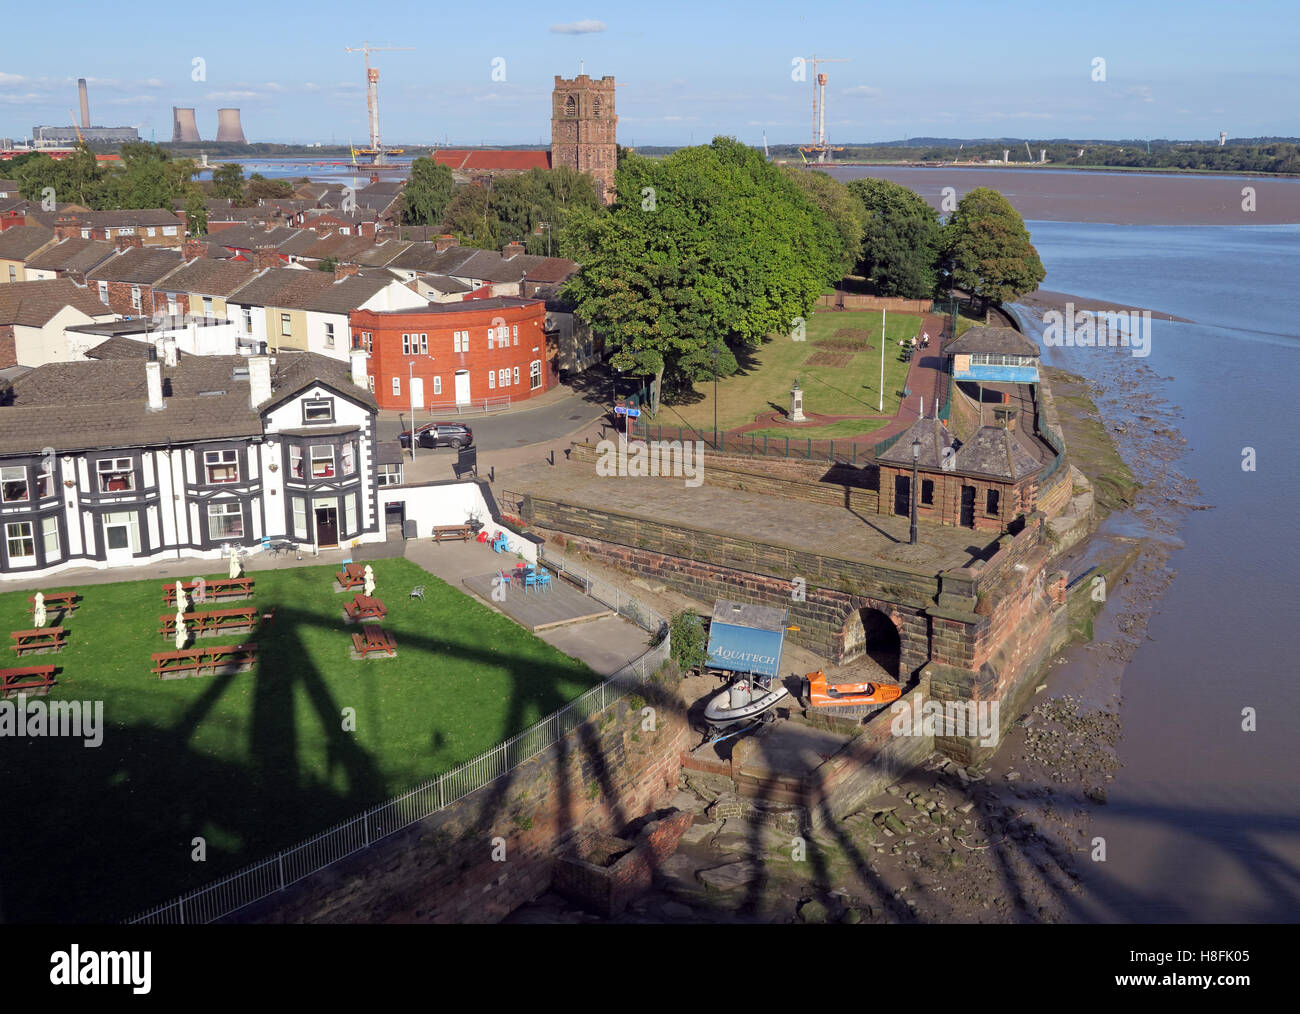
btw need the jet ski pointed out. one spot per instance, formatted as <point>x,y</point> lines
<point>821,694</point>
<point>744,700</point>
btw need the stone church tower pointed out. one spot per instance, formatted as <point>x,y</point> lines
<point>583,128</point>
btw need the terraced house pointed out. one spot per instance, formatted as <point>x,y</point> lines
<point>183,460</point>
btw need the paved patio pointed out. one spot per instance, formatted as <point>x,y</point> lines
<point>535,609</point>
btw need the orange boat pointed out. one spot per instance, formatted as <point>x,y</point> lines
<point>830,695</point>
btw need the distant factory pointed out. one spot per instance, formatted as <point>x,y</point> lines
<point>57,137</point>
<point>185,128</point>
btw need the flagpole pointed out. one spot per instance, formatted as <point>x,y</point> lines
<point>882,360</point>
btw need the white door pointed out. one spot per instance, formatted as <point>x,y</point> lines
<point>462,387</point>
<point>417,393</point>
<point>120,538</point>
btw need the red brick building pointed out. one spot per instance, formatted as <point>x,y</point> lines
<point>456,353</point>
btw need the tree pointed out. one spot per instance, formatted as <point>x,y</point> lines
<point>844,211</point>
<point>470,217</point>
<point>196,213</point>
<point>710,247</point>
<point>902,240</point>
<point>530,205</point>
<point>228,181</point>
<point>988,250</point>
<point>427,193</point>
<point>76,179</point>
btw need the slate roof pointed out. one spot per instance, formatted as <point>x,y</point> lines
<point>139,265</point>
<point>280,287</point>
<point>74,254</point>
<point>249,237</point>
<point>122,217</point>
<point>209,277</point>
<point>493,267</point>
<point>444,283</point>
<point>935,437</point>
<point>425,257</point>
<point>50,407</point>
<point>996,451</point>
<point>20,242</point>
<point>299,243</point>
<point>382,254</point>
<point>32,304</point>
<point>388,452</point>
<point>1004,340</point>
<point>552,269</point>
<point>120,348</point>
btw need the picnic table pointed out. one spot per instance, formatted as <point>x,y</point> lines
<point>445,533</point>
<point>40,639</point>
<point>364,608</point>
<point>64,601</point>
<point>353,575</point>
<point>216,589</point>
<point>211,622</point>
<point>374,639</point>
<point>194,661</point>
<point>38,678</point>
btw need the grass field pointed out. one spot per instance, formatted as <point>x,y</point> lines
<point>835,431</point>
<point>764,381</point>
<point>255,761</point>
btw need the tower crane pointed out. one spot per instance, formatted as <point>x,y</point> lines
<point>819,145</point>
<point>372,98</point>
<point>80,139</point>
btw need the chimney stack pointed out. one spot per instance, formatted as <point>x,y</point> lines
<point>126,242</point>
<point>444,242</point>
<point>512,249</point>
<point>265,257</point>
<point>170,354</point>
<point>153,380</point>
<point>259,380</point>
<point>85,102</point>
<point>195,248</point>
<point>342,271</point>
<point>359,375</point>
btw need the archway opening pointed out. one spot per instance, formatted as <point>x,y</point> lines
<point>870,633</point>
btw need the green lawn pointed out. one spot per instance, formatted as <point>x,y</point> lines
<point>835,431</point>
<point>765,379</point>
<point>253,761</point>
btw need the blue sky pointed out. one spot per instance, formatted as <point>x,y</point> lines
<point>688,71</point>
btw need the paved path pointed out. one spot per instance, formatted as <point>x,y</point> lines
<point>927,383</point>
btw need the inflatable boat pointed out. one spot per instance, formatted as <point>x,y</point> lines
<point>743,700</point>
<point>822,694</point>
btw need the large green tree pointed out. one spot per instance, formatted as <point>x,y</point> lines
<point>228,181</point>
<point>196,213</point>
<point>902,240</point>
<point>535,207</point>
<point>470,217</point>
<point>259,188</point>
<point>988,249</point>
<point>427,193</point>
<point>841,208</point>
<point>710,248</point>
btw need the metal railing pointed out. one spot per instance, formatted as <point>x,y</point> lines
<point>607,592</point>
<point>292,865</point>
<point>753,445</point>
<point>480,407</point>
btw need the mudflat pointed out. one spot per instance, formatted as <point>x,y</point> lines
<point>1114,198</point>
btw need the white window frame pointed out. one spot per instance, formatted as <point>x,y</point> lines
<point>437,385</point>
<point>390,475</point>
<point>220,460</point>
<point>299,506</point>
<point>535,374</point>
<point>15,474</point>
<point>514,330</point>
<point>50,539</point>
<point>314,458</point>
<point>45,480</point>
<point>222,511</point>
<point>349,461</point>
<point>295,462</point>
<point>207,306</point>
<point>169,230</point>
<point>103,291</point>
<point>286,325</point>
<point>514,377</point>
<point>492,380</point>
<point>424,344</point>
<point>406,344</point>
<point>11,537</point>
<point>248,320</point>
<point>350,515</point>
<point>135,297</point>
<point>116,466</point>
<point>329,335</point>
<point>397,387</point>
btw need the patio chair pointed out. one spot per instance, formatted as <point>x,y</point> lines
<point>531,580</point>
<point>417,592</point>
<point>543,580</point>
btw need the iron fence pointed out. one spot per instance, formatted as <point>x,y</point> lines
<point>481,407</point>
<point>289,866</point>
<point>755,445</point>
<point>607,592</point>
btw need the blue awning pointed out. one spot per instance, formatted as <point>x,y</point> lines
<point>745,649</point>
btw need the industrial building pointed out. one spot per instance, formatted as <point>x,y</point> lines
<point>53,137</point>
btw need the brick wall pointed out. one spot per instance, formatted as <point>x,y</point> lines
<point>603,775</point>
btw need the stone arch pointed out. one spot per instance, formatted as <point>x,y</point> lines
<point>871,633</point>
<point>570,106</point>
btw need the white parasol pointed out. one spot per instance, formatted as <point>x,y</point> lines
<point>38,612</point>
<point>182,603</point>
<point>369,586</point>
<point>234,565</point>
<point>182,632</point>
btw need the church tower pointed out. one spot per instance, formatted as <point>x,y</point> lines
<point>583,126</point>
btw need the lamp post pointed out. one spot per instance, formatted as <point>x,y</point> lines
<point>716,350</point>
<point>410,381</point>
<point>916,458</point>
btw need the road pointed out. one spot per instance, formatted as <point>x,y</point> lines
<point>511,429</point>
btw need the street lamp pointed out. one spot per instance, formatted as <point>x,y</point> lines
<point>716,350</point>
<point>916,458</point>
<point>410,382</point>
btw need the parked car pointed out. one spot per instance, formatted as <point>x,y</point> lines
<point>439,434</point>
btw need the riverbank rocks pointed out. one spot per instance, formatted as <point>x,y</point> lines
<point>814,911</point>
<point>731,877</point>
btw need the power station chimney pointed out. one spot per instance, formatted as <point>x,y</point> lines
<point>229,127</point>
<point>184,126</point>
<point>85,102</point>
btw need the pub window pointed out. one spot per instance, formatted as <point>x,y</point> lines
<point>322,461</point>
<point>350,515</point>
<point>22,547</point>
<point>115,475</point>
<point>225,521</point>
<point>221,466</point>
<point>295,462</point>
<point>13,482</point>
<point>991,502</point>
<point>299,518</point>
<point>45,480</point>
<point>50,537</point>
<point>390,475</point>
<point>318,410</point>
<point>349,459</point>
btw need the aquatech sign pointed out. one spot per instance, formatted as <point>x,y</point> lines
<point>745,649</point>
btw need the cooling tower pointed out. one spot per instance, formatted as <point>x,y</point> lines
<point>184,126</point>
<point>228,126</point>
<point>85,102</point>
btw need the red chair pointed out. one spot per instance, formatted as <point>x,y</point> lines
<point>481,536</point>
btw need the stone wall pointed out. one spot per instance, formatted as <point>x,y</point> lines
<point>485,855</point>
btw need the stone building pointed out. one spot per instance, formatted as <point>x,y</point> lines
<point>583,129</point>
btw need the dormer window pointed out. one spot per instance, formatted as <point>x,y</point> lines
<point>318,410</point>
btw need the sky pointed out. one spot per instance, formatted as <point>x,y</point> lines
<point>687,71</point>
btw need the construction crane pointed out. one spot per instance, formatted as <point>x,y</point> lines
<point>819,145</point>
<point>80,139</point>
<point>375,150</point>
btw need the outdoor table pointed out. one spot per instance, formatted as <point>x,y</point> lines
<point>374,639</point>
<point>64,601</point>
<point>366,608</point>
<point>353,575</point>
<point>38,639</point>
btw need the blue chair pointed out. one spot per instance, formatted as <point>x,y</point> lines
<point>500,544</point>
<point>543,579</point>
<point>531,580</point>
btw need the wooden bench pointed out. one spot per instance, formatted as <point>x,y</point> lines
<point>40,639</point>
<point>215,590</point>
<point>211,622</point>
<point>63,601</point>
<point>38,678</point>
<point>194,661</point>
<point>353,575</point>
<point>363,608</point>
<point>452,533</point>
